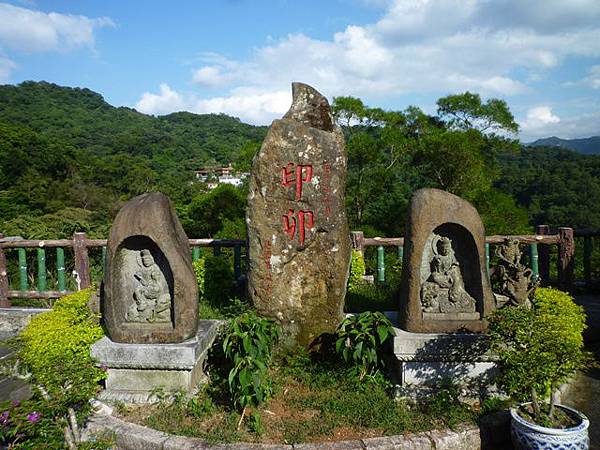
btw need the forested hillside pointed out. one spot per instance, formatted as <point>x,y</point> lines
<point>68,160</point>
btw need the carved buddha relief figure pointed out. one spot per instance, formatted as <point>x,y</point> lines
<point>444,290</point>
<point>151,297</point>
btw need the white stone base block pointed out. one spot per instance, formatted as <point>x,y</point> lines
<point>428,359</point>
<point>138,372</point>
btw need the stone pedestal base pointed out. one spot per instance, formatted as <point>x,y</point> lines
<point>137,371</point>
<point>427,359</point>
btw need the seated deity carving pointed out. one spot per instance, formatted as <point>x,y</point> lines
<point>513,280</point>
<point>152,300</point>
<point>444,290</point>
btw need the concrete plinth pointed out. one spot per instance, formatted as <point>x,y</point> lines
<point>426,359</point>
<point>137,371</point>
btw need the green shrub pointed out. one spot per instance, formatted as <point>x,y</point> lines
<point>248,345</point>
<point>359,340</point>
<point>55,350</point>
<point>538,348</point>
<point>218,280</point>
<point>357,270</point>
<point>200,271</point>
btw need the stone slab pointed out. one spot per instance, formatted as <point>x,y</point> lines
<point>467,347</point>
<point>451,316</point>
<point>13,320</point>
<point>136,371</point>
<point>181,356</point>
<point>419,441</point>
<point>419,373</point>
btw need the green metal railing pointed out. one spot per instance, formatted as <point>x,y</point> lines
<point>81,264</point>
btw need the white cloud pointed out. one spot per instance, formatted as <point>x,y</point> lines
<point>417,47</point>
<point>6,67</point>
<point>250,106</point>
<point>577,126</point>
<point>23,29</point>
<point>166,102</point>
<point>593,78</point>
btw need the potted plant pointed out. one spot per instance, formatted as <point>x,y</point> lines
<point>539,348</point>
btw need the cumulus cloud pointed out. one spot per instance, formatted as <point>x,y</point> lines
<point>250,106</point>
<point>545,123</point>
<point>416,47</point>
<point>26,30</point>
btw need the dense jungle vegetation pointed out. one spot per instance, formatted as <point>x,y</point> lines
<point>68,161</point>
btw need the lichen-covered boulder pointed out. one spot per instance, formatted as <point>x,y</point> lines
<point>299,243</point>
<point>150,293</point>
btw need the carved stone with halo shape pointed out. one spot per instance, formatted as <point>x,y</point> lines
<point>445,285</point>
<point>150,293</point>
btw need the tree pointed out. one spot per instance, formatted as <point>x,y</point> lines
<point>466,111</point>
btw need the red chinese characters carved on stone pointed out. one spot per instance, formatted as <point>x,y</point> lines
<point>304,220</point>
<point>296,176</point>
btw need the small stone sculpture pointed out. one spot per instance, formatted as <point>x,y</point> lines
<point>514,278</point>
<point>444,290</point>
<point>152,300</point>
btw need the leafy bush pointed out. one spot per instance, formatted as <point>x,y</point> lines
<point>55,350</point>
<point>218,280</point>
<point>370,297</point>
<point>200,271</point>
<point>359,340</point>
<point>248,345</point>
<point>538,348</point>
<point>357,270</point>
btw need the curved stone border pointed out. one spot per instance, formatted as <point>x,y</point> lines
<point>129,436</point>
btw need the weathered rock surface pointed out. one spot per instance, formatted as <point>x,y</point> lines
<point>299,244</point>
<point>445,286</point>
<point>150,291</point>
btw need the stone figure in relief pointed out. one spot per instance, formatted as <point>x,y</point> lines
<point>152,300</point>
<point>444,290</point>
<point>514,280</point>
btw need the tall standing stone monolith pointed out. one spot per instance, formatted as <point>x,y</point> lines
<point>299,243</point>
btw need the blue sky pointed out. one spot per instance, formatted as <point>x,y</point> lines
<point>240,56</point>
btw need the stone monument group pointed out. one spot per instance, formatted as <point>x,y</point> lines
<point>299,252</point>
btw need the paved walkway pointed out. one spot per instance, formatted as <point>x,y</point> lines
<point>11,388</point>
<point>584,395</point>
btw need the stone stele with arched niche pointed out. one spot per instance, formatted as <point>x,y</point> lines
<point>445,295</point>
<point>149,305</point>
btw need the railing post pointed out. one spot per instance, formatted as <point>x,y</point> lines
<point>566,257</point>
<point>543,254</point>
<point>487,259</point>
<point>103,261</point>
<point>587,259</point>
<point>358,242</point>
<point>23,282</point>
<point>195,253</point>
<point>380,264</point>
<point>4,301</point>
<point>41,272</point>
<point>216,250</point>
<point>82,260</point>
<point>534,258</point>
<point>400,253</point>
<point>60,269</point>
<point>237,262</point>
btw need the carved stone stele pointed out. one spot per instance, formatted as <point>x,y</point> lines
<point>150,293</point>
<point>299,242</point>
<point>445,285</point>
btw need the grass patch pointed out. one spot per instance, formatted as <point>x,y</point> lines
<point>314,401</point>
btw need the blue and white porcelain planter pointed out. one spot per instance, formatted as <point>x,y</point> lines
<point>528,436</point>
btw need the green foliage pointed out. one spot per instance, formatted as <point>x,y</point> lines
<point>538,348</point>
<point>370,297</point>
<point>248,346</point>
<point>55,349</point>
<point>200,272</point>
<point>360,339</point>
<point>218,280</point>
<point>357,270</point>
<point>60,337</point>
<point>208,212</point>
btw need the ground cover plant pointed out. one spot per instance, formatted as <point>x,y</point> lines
<point>311,397</point>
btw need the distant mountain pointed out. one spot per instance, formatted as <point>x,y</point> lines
<point>586,146</point>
